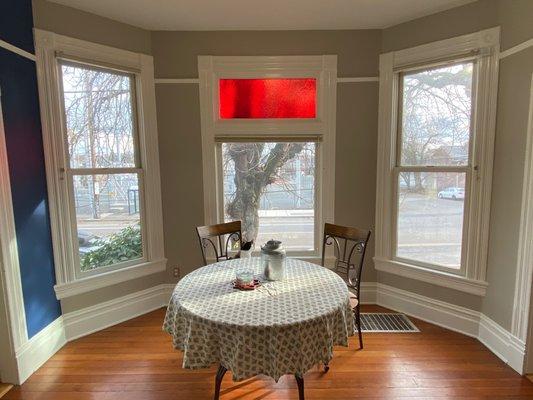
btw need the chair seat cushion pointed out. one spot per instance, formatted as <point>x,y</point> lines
<point>353,300</point>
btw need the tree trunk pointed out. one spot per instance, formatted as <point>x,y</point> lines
<point>254,171</point>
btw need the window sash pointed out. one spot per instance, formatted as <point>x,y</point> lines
<point>69,173</point>
<point>317,191</point>
<point>466,211</point>
<point>133,77</point>
<point>466,168</point>
<point>399,125</point>
<point>74,228</point>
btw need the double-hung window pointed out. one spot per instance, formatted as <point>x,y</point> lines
<point>435,160</point>
<point>268,131</point>
<point>102,165</point>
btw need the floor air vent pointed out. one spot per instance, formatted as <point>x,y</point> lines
<point>386,322</point>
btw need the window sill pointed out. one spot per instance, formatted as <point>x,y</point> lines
<point>91,283</point>
<point>434,277</point>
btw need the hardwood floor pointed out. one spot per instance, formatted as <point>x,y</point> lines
<point>4,388</point>
<point>135,360</point>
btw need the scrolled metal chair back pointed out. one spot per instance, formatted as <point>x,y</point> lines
<point>349,248</point>
<point>218,238</point>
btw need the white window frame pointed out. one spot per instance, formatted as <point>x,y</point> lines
<point>483,47</point>
<point>50,48</point>
<point>320,129</point>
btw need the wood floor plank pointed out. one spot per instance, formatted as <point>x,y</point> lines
<point>4,388</point>
<point>135,360</point>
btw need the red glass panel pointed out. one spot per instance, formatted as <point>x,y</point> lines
<point>268,98</point>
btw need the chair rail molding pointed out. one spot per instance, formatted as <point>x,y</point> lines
<point>347,79</point>
<point>10,268</point>
<point>524,272</point>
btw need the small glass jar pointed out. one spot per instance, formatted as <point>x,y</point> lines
<point>244,277</point>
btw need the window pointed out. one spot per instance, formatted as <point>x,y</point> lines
<point>270,187</point>
<point>432,164</point>
<point>102,163</point>
<point>435,160</point>
<point>268,131</point>
<point>267,98</point>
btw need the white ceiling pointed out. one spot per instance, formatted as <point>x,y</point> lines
<point>263,14</point>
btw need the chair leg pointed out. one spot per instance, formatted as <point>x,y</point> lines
<point>358,323</point>
<point>300,383</point>
<point>218,381</point>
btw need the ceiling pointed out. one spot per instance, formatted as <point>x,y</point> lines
<point>262,15</point>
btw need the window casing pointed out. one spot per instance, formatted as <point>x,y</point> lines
<point>267,123</point>
<point>103,177</point>
<point>433,206</point>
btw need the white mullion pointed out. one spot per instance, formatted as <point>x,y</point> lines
<point>103,171</point>
<point>435,169</point>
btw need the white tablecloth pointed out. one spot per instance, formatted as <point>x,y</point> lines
<point>284,327</point>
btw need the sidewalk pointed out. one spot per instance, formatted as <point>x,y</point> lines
<point>286,213</point>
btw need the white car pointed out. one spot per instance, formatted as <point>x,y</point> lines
<point>453,193</point>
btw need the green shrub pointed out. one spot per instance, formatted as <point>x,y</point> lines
<point>122,246</point>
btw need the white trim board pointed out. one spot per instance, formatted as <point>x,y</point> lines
<point>524,271</point>
<point>501,342</point>
<point>70,326</point>
<point>180,81</point>
<point>36,351</point>
<point>103,315</point>
<point>10,275</point>
<point>516,49</point>
<point>16,50</point>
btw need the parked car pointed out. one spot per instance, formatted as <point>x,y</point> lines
<point>454,193</point>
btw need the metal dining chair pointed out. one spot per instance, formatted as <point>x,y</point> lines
<point>349,247</point>
<point>218,237</point>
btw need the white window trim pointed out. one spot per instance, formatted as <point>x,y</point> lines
<point>484,45</point>
<point>324,69</point>
<point>48,45</point>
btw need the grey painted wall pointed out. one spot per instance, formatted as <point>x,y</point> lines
<point>178,117</point>
<point>86,26</point>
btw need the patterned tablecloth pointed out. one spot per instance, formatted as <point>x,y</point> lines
<point>284,327</point>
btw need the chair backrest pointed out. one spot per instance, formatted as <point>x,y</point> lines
<point>218,238</point>
<point>348,244</point>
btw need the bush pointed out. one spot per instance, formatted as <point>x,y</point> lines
<point>122,246</point>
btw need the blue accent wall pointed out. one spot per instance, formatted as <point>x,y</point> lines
<point>20,108</point>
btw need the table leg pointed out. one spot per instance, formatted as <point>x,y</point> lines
<point>218,380</point>
<point>300,383</point>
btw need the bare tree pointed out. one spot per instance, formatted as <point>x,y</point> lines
<point>435,114</point>
<point>256,165</point>
<point>98,109</point>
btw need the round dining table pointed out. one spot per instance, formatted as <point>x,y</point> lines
<point>281,327</point>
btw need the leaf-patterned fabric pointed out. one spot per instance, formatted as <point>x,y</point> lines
<point>283,327</point>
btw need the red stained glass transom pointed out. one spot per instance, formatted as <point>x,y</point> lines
<point>268,98</point>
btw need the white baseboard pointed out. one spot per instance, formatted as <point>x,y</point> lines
<point>91,319</point>
<point>36,351</point>
<point>502,343</point>
<point>460,319</point>
<point>83,322</point>
<point>368,292</point>
<point>449,316</point>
